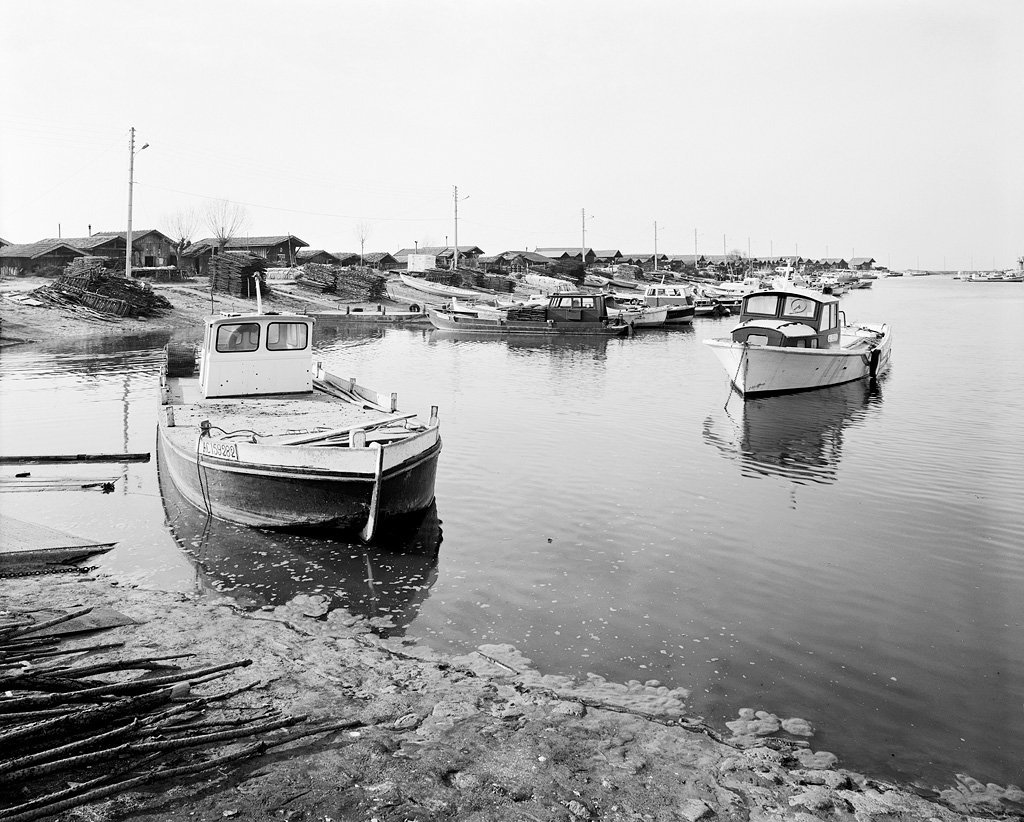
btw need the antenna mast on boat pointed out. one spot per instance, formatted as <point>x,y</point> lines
<point>655,246</point>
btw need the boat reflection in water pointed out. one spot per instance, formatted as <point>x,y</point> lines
<point>794,436</point>
<point>386,583</point>
<point>556,344</point>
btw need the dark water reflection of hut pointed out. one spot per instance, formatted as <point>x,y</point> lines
<point>794,436</point>
<point>386,582</point>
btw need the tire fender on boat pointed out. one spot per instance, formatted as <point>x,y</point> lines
<point>873,359</point>
<point>414,307</point>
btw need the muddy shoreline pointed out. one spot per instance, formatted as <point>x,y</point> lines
<point>483,736</point>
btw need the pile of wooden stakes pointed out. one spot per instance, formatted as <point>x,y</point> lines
<point>76,728</point>
<point>96,290</point>
<point>233,272</point>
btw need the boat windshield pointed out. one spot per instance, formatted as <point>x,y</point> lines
<point>762,304</point>
<point>798,306</point>
<point>287,336</point>
<point>238,337</point>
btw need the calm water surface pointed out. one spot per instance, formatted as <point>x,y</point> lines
<point>853,556</point>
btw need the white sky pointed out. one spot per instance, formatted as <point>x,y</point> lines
<point>820,127</point>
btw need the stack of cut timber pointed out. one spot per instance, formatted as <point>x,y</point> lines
<point>318,277</point>
<point>528,313</point>
<point>361,284</point>
<point>83,266</point>
<point>101,291</point>
<point>493,282</point>
<point>233,271</point>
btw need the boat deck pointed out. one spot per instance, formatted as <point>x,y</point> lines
<point>270,415</point>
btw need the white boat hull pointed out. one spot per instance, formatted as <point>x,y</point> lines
<point>760,370</point>
<point>440,289</point>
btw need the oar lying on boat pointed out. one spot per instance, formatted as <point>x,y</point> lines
<point>307,439</point>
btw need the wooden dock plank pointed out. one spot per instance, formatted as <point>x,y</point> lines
<point>17,535</point>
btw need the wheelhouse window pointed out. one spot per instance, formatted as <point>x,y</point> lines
<point>287,336</point>
<point>830,318</point>
<point>575,302</point>
<point>797,306</point>
<point>762,304</point>
<point>238,337</point>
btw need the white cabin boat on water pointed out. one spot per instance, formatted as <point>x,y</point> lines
<point>679,299</point>
<point>794,339</point>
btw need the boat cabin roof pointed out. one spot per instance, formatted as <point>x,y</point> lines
<point>817,296</point>
<point>270,316</point>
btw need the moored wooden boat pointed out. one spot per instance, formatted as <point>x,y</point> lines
<point>793,340</point>
<point>263,438</point>
<point>439,289</point>
<point>564,313</point>
<point>679,300</point>
<point>634,310</point>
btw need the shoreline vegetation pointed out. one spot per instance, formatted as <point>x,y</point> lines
<point>419,735</point>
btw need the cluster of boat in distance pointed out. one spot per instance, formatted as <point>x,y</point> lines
<point>253,431</point>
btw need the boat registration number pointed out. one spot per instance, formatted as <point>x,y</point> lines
<point>213,448</point>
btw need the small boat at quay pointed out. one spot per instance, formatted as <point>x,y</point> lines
<point>263,438</point>
<point>794,339</point>
<point>731,294</point>
<point>548,284</point>
<point>635,311</point>
<point>439,289</point>
<point>679,300</point>
<point>577,314</point>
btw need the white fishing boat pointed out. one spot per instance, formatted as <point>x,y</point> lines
<point>264,437</point>
<point>679,299</point>
<point>439,289</point>
<point>794,340</point>
<point>731,294</point>
<point>635,311</point>
<point>548,285</point>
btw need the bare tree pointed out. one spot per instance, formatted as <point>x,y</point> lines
<point>182,226</point>
<point>363,230</point>
<point>225,220</point>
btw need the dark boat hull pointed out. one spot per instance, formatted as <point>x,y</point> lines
<point>456,322</point>
<point>294,497</point>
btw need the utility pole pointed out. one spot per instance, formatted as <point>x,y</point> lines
<point>655,246</point>
<point>695,251</point>
<point>131,185</point>
<point>583,237</point>
<point>455,264</point>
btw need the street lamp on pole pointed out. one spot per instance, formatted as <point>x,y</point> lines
<point>131,184</point>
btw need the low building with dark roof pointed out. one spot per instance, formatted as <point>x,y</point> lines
<point>150,248</point>
<point>862,263</point>
<point>278,250</point>
<point>316,255</point>
<point>516,262</point>
<point>587,256</point>
<point>468,254</point>
<point>48,257</point>
<point>380,260</point>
